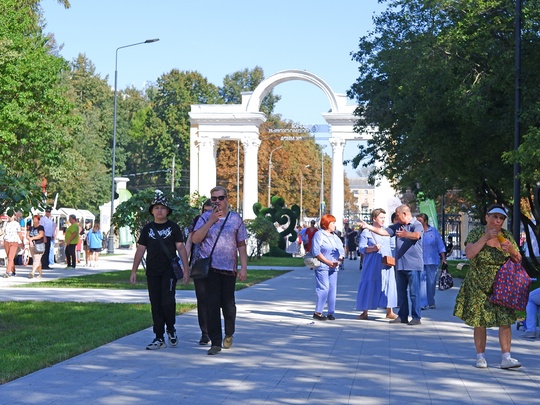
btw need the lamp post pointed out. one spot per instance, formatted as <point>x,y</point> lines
<point>302,196</point>
<point>516,212</point>
<point>110,246</point>
<point>270,172</point>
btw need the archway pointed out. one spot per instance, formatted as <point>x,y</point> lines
<point>212,122</point>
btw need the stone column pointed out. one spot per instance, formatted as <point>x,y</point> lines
<point>207,165</point>
<point>251,169</point>
<point>338,180</point>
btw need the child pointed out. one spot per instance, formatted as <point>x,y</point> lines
<point>159,273</point>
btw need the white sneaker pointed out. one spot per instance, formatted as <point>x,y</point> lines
<point>510,363</point>
<point>481,363</point>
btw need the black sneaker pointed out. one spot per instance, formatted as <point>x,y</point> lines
<point>214,350</point>
<point>156,344</point>
<point>173,339</point>
<point>319,317</point>
<point>204,340</point>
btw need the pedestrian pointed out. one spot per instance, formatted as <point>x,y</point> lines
<point>434,252</point>
<point>94,240</point>
<point>352,246</point>
<point>50,229</point>
<point>532,313</point>
<point>12,239</point>
<point>328,249</point>
<point>377,288</point>
<point>307,236</point>
<point>159,273</point>
<point>486,255</point>
<point>36,237</point>
<point>409,262</point>
<point>193,250</point>
<point>71,239</point>
<point>223,231</point>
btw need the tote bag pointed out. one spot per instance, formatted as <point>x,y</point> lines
<point>511,286</point>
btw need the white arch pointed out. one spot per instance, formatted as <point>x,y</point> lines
<point>241,122</point>
<point>266,86</point>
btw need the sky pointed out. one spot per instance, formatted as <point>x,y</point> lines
<point>217,38</point>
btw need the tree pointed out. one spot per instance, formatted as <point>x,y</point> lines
<point>36,119</point>
<point>175,92</point>
<point>447,122</point>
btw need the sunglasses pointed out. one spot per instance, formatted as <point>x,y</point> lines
<point>219,197</point>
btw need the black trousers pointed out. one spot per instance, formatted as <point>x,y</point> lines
<point>45,256</point>
<point>220,295</point>
<point>71,258</point>
<point>162,291</point>
<point>200,293</point>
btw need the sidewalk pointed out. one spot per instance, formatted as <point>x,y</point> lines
<point>281,356</point>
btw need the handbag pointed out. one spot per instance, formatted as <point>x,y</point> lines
<point>511,286</point>
<point>201,267</point>
<point>39,247</point>
<point>311,261</point>
<point>445,279</point>
<point>389,261</point>
<point>176,262</point>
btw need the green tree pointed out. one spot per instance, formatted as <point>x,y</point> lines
<point>35,115</point>
<point>175,92</point>
<point>246,80</point>
<point>437,81</point>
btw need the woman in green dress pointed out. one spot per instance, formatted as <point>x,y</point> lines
<point>488,248</point>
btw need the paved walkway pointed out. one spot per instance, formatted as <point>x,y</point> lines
<point>281,356</point>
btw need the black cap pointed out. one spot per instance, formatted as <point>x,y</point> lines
<point>159,199</point>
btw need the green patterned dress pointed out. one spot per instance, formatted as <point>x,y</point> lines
<point>472,302</point>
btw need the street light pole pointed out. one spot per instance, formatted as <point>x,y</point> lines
<point>302,196</point>
<point>110,246</point>
<point>516,212</point>
<point>270,172</point>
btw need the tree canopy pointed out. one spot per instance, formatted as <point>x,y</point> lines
<point>437,82</point>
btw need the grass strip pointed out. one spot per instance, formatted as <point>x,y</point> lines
<point>36,335</point>
<point>119,280</point>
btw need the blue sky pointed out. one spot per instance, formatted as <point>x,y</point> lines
<point>216,38</point>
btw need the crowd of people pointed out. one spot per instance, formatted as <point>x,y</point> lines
<point>40,233</point>
<point>400,263</point>
<point>408,280</point>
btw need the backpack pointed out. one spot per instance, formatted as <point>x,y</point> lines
<point>445,280</point>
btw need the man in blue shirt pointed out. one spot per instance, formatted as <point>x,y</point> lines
<point>409,261</point>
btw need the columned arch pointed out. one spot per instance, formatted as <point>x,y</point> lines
<point>241,122</point>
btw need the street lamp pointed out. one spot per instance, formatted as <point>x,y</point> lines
<point>270,172</point>
<point>110,246</point>
<point>301,196</point>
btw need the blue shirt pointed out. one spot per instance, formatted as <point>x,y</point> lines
<point>409,253</point>
<point>433,246</point>
<point>329,245</point>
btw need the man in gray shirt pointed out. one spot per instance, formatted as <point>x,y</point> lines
<point>409,262</point>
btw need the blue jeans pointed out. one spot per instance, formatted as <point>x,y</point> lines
<point>431,282</point>
<point>408,279</point>
<point>532,310</point>
<point>326,289</point>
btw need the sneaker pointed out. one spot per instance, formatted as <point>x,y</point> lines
<point>331,317</point>
<point>156,344</point>
<point>397,320</point>
<point>432,306</point>
<point>424,307</point>
<point>173,339</point>
<point>414,322</point>
<point>30,275</point>
<point>227,342</point>
<point>204,340</point>
<point>213,350</point>
<point>510,363</point>
<point>5,275</point>
<point>481,363</point>
<point>530,335</point>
